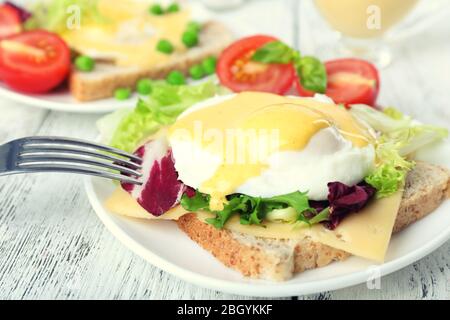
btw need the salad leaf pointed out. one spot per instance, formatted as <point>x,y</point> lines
<point>275,52</point>
<point>53,15</point>
<point>410,139</point>
<point>126,129</point>
<point>235,205</point>
<point>344,199</point>
<point>399,136</point>
<point>23,13</point>
<point>390,173</point>
<point>288,215</point>
<point>310,70</point>
<point>197,202</point>
<point>379,121</point>
<point>393,113</point>
<point>312,74</point>
<point>252,210</point>
<point>403,133</point>
<point>297,200</point>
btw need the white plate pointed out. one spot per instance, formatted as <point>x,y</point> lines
<point>63,101</point>
<point>165,246</point>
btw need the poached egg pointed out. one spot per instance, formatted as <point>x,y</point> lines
<point>265,145</point>
<point>127,34</point>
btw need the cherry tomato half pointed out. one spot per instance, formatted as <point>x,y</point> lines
<point>34,61</point>
<point>238,72</point>
<point>10,22</point>
<point>350,81</point>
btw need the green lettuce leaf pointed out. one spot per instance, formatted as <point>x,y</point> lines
<point>126,129</point>
<point>198,202</point>
<point>399,137</point>
<point>253,210</point>
<point>390,173</point>
<point>410,139</point>
<point>393,113</point>
<point>297,200</point>
<point>378,120</point>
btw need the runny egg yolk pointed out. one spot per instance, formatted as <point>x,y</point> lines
<point>234,131</point>
<point>127,34</point>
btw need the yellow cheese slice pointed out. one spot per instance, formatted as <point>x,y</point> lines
<point>365,234</point>
<point>122,203</point>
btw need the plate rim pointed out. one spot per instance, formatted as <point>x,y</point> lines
<point>77,108</point>
<point>284,289</point>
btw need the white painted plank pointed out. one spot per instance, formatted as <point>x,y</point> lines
<point>17,120</point>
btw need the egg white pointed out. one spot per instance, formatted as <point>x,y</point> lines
<point>328,157</point>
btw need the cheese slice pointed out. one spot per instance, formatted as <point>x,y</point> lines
<point>365,234</point>
<point>122,203</point>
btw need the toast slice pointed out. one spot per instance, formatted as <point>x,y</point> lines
<point>427,186</point>
<point>106,78</point>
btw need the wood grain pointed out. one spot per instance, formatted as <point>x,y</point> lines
<point>52,246</point>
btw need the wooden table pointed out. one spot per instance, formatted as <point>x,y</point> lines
<point>53,246</point>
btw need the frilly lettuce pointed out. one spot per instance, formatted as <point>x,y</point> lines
<point>399,137</point>
<point>253,210</point>
<point>390,172</point>
<point>125,129</point>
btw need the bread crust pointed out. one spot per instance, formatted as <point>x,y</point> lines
<point>255,261</point>
<point>106,78</point>
<point>426,188</point>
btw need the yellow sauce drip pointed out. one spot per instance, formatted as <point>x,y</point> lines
<point>129,34</point>
<point>258,118</point>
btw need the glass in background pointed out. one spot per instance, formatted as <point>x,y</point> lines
<point>365,25</point>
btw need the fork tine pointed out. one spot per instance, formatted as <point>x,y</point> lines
<point>49,162</point>
<point>33,141</point>
<point>85,171</point>
<point>58,152</point>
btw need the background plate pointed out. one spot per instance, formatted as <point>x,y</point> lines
<point>63,101</point>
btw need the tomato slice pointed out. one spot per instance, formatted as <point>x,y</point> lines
<point>350,81</point>
<point>34,61</point>
<point>237,72</point>
<point>10,21</point>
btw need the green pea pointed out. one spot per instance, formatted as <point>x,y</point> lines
<point>165,46</point>
<point>194,26</point>
<point>122,93</point>
<point>190,38</point>
<point>209,65</point>
<point>144,86</point>
<point>156,9</point>
<point>196,72</point>
<point>174,7</point>
<point>176,78</point>
<point>85,63</point>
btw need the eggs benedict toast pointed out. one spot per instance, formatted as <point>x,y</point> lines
<point>275,185</point>
<point>116,45</point>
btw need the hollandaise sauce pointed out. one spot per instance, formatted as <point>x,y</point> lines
<point>128,34</point>
<point>235,129</point>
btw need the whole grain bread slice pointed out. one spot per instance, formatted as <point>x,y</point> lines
<point>427,186</point>
<point>107,77</point>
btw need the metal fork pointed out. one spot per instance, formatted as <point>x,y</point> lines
<point>61,154</point>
